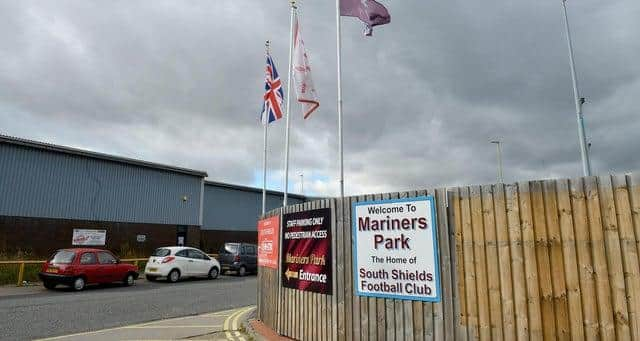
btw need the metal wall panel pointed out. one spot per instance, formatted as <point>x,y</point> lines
<point>236,209</point>
<point>40,183</point>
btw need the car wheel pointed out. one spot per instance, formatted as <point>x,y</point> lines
<point>129,280</point>
<point>242,271</point>
<point>174,276</point>
<point>49,285</point>
<point>213,273</point>
<point>151,278</point>
<point>79,284</point>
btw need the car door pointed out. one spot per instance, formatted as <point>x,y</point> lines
<point>183,262</point>
<point>243,255</point>
<point>109,267</point>
<point>252,257</point>
<point>199,263</point>
<point>248,257</point>
<point>90,267</point>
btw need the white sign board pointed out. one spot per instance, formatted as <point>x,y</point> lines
<point>89,237</point>
<point>395,249</point>
<point>141,238</point>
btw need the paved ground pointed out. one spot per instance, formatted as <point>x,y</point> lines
<point>222,325</point>
<point>35,312</point>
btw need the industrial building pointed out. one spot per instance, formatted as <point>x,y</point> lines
<point>48,191</point>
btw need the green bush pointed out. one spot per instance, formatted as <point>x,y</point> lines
<point>9,273</point>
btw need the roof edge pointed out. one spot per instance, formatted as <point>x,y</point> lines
<point>253,189</point>
<point>95,155</point>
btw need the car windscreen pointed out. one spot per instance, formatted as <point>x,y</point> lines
<point>62,257</point>
<point>161,252</point>
<point>229,248</point>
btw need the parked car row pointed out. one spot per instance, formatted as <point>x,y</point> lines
<point>79,267</point>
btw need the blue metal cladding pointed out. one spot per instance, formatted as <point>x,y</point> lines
<point>236,209</point>
<point>41,183</point>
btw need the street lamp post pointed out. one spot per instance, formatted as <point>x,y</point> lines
<point>584,152</point>
<point>301,183</point>
<point>498,144</point>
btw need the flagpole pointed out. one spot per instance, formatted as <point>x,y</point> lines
<point>264,172</point>
<point>339,66</point>
<point>288,112</point>
<point>586,163</point>
<point>265,122</point>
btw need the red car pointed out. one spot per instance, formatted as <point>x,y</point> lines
<point>79,267</point>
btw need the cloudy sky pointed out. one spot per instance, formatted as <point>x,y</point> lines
<point>180,82</point>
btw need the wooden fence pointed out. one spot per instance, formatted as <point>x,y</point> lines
<point>541,260</point>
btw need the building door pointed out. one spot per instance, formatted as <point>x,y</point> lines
<point>181,236</point>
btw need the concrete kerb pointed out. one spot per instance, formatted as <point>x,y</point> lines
<point>248,328</point>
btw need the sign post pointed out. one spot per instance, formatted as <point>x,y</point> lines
<point>307,261</point>
<point>396,249</point>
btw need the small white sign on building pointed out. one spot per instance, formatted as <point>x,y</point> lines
<point>396,249</point>
<point>89,237</point>
<point>141,238</point>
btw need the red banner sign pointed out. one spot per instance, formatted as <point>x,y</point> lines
<point>268,242</point>
<point>306,251</point>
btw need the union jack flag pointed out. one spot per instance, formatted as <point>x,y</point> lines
<point>272,107</point>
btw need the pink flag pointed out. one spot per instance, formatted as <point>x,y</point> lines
<point>302,74</point>
<point>371,12</point>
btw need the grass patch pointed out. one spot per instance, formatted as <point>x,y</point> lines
<point>9,272</point>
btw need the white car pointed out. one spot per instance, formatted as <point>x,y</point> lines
<point>177,262</point>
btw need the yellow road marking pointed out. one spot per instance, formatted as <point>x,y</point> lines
<point>227,325</point>
<point>237,320</point>
<point>231,324</point>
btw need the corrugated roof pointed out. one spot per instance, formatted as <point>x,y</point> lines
<point>95,155</point>
<point>252,189</point>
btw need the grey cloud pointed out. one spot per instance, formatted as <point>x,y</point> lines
<point>181,82</point>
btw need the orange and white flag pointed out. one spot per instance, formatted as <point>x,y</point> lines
<point>305,90</point>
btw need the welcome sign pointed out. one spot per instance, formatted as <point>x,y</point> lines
<point>396,249</point>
